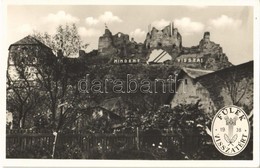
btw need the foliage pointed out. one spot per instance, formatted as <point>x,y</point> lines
<point>66,39</point>
<point>184,118</point>
<point>35,151</point>
<point>239,87</point>
<point>23,96</point>
<point>40,121</point>
<point>42,81</point>
<point>68,151</point>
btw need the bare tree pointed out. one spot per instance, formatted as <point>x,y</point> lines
<point>238,86</point>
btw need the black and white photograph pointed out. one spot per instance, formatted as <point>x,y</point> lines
<point>131,82</point>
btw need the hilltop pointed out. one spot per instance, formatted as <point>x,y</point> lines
<point>159,47</point>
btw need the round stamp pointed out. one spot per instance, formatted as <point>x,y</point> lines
<point>230,130</point>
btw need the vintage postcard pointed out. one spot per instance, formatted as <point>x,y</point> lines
<point>137,84</point>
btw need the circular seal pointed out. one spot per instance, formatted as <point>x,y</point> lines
<point>230,130</point>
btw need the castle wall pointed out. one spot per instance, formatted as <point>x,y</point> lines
<point>119,45</point>
<point>169,39</point>
<point>163,38</point>
<point>120,39</point>
<point>104,43</point>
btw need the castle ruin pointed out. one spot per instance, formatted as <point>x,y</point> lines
<point>118,45</point>
<point>118,48</point>
<point>167,37</point>
<point>206,54</point>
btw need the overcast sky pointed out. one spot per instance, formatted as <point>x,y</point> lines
<point>231,27</point>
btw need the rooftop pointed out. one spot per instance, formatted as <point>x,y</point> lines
<point>28,40</point>
<point>195,73</point>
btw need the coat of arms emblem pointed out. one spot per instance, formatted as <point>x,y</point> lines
<point>230,130</point>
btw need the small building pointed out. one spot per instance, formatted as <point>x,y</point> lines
<point>100,112</point>
<point>214,90</point>
<point>29,52</point>
<point>115,105</point>
<point>29,49</point>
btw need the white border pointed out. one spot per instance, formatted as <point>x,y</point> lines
<point>126,163</point>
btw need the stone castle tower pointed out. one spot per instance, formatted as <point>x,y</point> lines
<point>167,37</point>
<point>105,43</point>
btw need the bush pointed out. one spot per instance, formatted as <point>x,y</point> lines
<point>35,151</point>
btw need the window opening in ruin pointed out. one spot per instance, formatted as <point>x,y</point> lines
<point>186,81</point>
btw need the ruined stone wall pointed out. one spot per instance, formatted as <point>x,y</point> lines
<point>163,38</point>
<point>120,40</point>
<point>169,39</point>
<point>105,44</point>
<point>211,54</point>
<point>119,45</point>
